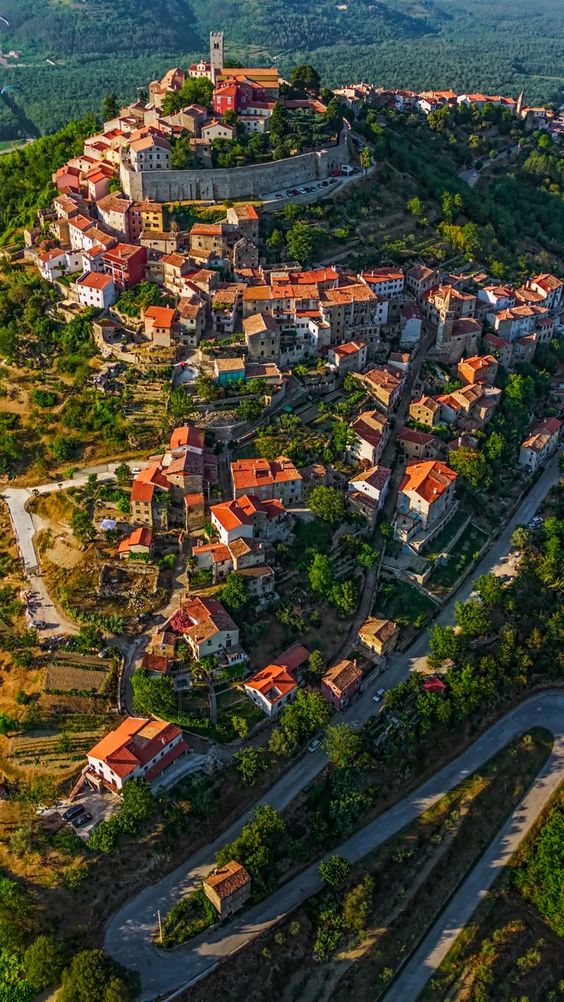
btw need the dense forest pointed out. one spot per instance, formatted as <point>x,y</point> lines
<point>71,54</point>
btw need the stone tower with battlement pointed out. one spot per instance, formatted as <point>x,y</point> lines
<point>216,53</point>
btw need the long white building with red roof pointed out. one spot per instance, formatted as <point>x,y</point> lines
<point>140,748</point>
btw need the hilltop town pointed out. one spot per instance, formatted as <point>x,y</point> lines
<point>304,464</point>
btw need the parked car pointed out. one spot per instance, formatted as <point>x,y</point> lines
<point>39,624</point>
<point>73,812</point>
<point>314,745</point>
<point>81,819</point>
<point>379,695</point>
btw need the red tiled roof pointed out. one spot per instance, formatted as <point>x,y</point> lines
<point>180,749</point>
<point>134,743</point>
<point>350,348</point>
<point>428,479</point>
<point>162,316</point>
<point>273,682</point>
<point>252,473</point>
<point>139,537</point>
<point>293,658</point>
<point>417,437</point>
<point>187,435</point>
<point>155,662</point>
<point>227,879</point>
<point>343,675</point>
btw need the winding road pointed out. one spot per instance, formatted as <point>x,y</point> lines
<point>129,933</point>
<point>548,710</point>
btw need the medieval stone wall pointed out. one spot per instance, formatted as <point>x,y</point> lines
<point>234,182</point>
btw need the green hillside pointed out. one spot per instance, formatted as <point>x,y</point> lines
<point>73,51</point>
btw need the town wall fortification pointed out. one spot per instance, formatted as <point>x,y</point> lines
<point>218,184</point>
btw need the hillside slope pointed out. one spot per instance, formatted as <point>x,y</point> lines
<point>72,52</point>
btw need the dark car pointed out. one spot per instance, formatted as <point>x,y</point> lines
<point>81,820</point>
<point>73,812</point>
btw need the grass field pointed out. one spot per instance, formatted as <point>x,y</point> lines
<point>401,602</point>
<point>465,550</point>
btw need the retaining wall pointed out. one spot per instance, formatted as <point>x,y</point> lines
<point>234,182</point>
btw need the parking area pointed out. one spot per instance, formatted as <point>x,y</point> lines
<point>98,805</point>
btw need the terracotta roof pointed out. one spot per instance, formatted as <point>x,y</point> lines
<point>260,322</point>
<point>382,275</point>
<point>145,483</point>
<point>194,500</point>
<point>343,674</point>
<point>139,537</point>
<point>428,479</point>
<point>229,515</point>
<point>146,142</point>
<point>541,433</point>
<point>218,552</point>
<point>229,364</point>
<point>168,758</point>
<point>94,280</point>
<point>162,316</point>
<point>315,276</point>
<point>293,658</point>
<point>387,377</point>
<point>547,282</point>
<point>52,255</point>
<point>187,435</point>
<point>228,879</point>
<point>419,437</point>
<point>248,474</point>
<point>350,348</point>
<point>155,662</point>
<point>349,294</point>
<point>200,618</point>
<point>134,743</point>
<point>376,476</point>
<point>382,629</point>
<point>240,547</point>
<point>207,229</point>
<point>370,426</point>
<point>477,362</point>
<point>273,682</point>
<point>429,402</point>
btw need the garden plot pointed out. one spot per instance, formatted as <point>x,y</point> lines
<point>74,679</point>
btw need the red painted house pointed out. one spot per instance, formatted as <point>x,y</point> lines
<point>126,264</point>
<point>237,95</point>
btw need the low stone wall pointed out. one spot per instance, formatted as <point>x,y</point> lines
<point>234,182</point>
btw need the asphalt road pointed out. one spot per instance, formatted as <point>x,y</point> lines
<point>129,932</point>
<point>435,946</point>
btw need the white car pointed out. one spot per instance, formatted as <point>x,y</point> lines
<point>379,695</point>
<point>314,745</point>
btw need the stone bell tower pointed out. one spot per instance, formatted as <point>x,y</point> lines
<point>216,53</point>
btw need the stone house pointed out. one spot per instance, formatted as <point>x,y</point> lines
<point>379,635</point>
<point>228,888</point>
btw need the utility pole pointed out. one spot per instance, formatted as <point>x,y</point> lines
<point>160,926</point>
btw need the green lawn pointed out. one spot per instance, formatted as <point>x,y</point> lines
<point>441,542</point>
<point>466,549</point>
<point>401,602</point>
